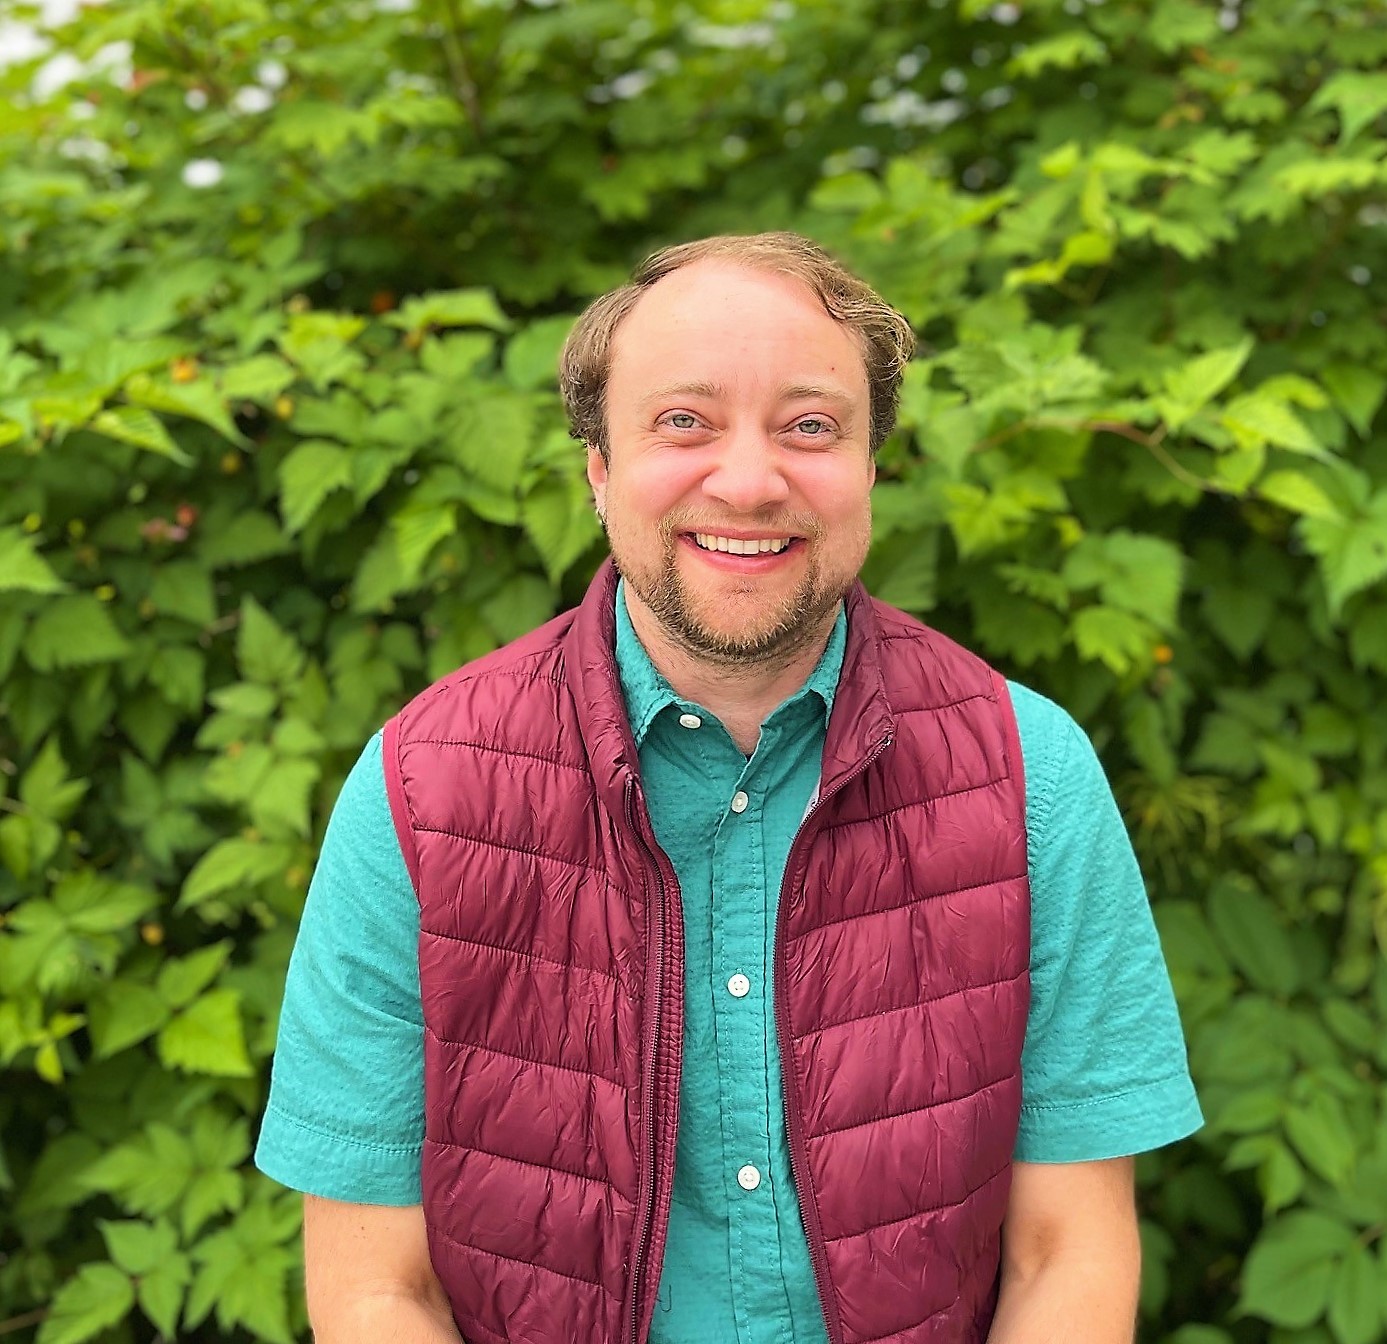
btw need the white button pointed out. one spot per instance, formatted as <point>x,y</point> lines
<point>748,1177</point>
<point>739,986</point>
<point>690,721</point>
<point>739,801</point>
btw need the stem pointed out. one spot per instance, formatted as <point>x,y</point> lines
<point>1153,443</point>
<point>19,1322</point>
<point>460,70</point>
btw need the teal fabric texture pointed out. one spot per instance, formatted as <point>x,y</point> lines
<point>1103,1070</point>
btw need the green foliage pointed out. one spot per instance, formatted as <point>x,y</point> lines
<point>282,292</point>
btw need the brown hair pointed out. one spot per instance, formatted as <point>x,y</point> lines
<point>886,338</point>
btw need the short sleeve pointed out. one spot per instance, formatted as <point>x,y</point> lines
<point>345,1118</point>
<point>1104,1071</point>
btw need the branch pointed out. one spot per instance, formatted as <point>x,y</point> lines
<point>20,1322</point>
<point>460,74</point>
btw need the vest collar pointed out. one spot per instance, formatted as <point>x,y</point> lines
<point>861,720</point>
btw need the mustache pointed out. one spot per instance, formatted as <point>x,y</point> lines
<point>804,525</point>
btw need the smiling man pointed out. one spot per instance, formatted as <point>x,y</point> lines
<point>733,959</point>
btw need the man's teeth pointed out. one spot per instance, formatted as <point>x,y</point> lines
<point>735,546</point>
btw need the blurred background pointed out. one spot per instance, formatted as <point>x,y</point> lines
<point>281,290</point>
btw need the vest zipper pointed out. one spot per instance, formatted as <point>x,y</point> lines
<point>794,1132</point>
<point>647,1217</point>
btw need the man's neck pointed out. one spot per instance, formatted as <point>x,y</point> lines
<point>741,696</point>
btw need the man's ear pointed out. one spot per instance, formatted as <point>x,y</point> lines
<point>597,478</point>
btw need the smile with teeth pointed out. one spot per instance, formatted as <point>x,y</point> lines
<point>709,541</point>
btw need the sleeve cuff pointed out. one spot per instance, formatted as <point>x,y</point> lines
<point>334,1167</point>
<point>1114,1126</point>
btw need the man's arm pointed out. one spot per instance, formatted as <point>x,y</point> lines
<point>369,1277</point>
<point>1071,1258</point>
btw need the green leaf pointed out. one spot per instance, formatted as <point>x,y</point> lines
<point>1295,491</point>
<point>1259,419</point>
<point>417,530</point>
<point>183,588</point>
<point>1320,1131</point>
<point>1194,384</point>
<point>1357,391</point>
<point>1249,927</point>
<point>280,806</point>
<point>182,980</point>
<point>207,1037</point>
<point>1289,1272</point>
<point>198,401</point>
<point>451,308</point>
<point>94,1300</point>
<point>1357,1298</point>
<point>123,1014</point>
<point>74,632</point>
<point>256,379</point>
<point>1352,551</point>
<point>141,427</point>
<point>230,864</point>
<point>491,436</point>
<point>243,1274</point>
<point>46,788</point>
<point>265,652</point>
<point>308,476</point>
<point>90,903</point>
<point>532,356</point>
<point>559,519</point>
<point>1138,574</point>
<point>243,540</point>
<point>1115,638</point>
<point>138,1247</point>
<point>1358,96</point>
<point>22,569</point>
<point>1065,51</point>
<point>161,1292</point>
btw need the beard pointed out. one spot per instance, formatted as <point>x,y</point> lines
<point>755,630</point>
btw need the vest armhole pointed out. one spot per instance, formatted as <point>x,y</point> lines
<point>395,793</point>
<point>1016,763</point>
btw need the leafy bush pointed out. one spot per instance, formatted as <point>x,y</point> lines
<point>282,289</point>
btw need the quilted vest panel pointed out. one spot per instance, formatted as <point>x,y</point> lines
<point>550,961</point>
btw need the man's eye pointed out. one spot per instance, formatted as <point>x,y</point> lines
<point>813,426</point>
<point>682,420</point>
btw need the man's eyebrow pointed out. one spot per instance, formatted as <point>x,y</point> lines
<point>715,391</point>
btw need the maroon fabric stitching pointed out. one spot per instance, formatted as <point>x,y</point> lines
<point>527,956</point>
<point>525,1059</point>
<point>918,802</point>
<point>536,1166</point>
<point>919,1003</point>
<point>498,751</point>
<point>528,1264</point>
<point>905,905</point>
<point>924,1213</point>
<point>509,849</point>
<point>914,1110</point>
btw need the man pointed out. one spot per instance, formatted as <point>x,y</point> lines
<point>736,898</point>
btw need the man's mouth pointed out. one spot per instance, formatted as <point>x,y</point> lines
<point>711,541</point>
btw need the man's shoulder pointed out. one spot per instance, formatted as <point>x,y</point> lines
<point>918,659</point>
<point>494,684</point>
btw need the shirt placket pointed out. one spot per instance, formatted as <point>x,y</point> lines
<point>742,1020</point>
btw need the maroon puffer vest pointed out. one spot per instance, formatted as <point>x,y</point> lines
<point>551,968</point>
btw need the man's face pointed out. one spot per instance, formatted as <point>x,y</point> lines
<point>738,419</point>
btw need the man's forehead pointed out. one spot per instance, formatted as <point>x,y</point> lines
<point>731,322</point>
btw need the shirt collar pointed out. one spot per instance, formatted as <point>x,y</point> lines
<point>646,692</point>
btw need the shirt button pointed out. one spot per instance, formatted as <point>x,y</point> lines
<point>690,721</point>
<point>739,986</point>
<point>739,801</point>
<point>748,1177</point>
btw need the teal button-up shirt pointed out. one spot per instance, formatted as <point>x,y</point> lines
<point>737,1261</point>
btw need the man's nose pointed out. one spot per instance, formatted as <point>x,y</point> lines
<point>749,472</point>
